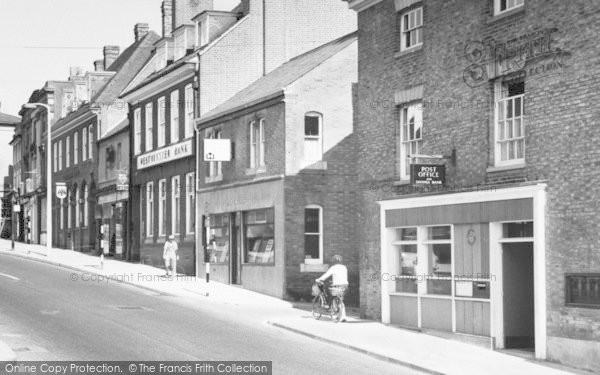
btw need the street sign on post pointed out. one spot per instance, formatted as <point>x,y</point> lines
<point>61,190</point>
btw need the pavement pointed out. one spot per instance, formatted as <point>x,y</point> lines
<point>414,350</point>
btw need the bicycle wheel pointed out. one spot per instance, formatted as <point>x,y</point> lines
<point>316,307</point>
<point>336,309</point>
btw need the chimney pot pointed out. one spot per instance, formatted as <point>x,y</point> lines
<point>99,65</point>
<point>140,31</point>
<point>185,10</point>
<point>110,55</point>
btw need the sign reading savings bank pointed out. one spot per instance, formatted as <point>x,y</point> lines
<point>165,155</point>
<point>428,174</point>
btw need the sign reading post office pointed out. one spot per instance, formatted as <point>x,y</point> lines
<point>428,174</point>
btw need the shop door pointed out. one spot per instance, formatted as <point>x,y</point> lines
<point>517,269</point>
<point>236,249</point>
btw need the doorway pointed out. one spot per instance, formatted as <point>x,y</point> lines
<point>518,296</point>
<point>236,248</point>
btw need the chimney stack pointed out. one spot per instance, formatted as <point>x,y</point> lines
<point>185,10</point>
<point>167,18</point>
<point>110,55</point>
<point>75,71</point>
<point>99,65</point>
<point>140,30</point>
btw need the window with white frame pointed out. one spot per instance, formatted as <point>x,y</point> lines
<point>313,234</point>
<point>77,203</point>
<point>86,197</point>
<point>150,209</point>
<point>189,111</point>
<point>55,156</point>
<point>190,207</point>
<point>410,136</point>
<point>162,207</point>
<point>75,148</point>
<point>84,142</point>
<point>257,143</point>
<point>60,154</point>
<point>501,6</point>
<point>90,141</point>
<point>137,131</point>
<point>174,123</point>
<point>510,123</point>
<point>175,201</point>
<point>411,29</point>
<point>313,138</point>
<point>162,122</point>
<point>149,126</point>
<point>215,168</point>
<point>68,152</point>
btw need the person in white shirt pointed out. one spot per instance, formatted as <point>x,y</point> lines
<point>339,280</point>
<point>170,256</point>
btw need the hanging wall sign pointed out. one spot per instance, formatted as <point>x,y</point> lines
<point>428,174</point>
<point>61,190</point>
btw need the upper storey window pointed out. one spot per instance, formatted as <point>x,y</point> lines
<point>501,6</point>
<point>411,29</point>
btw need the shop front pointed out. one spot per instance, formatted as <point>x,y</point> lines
<point>112,217</point>
<point>470,264</point>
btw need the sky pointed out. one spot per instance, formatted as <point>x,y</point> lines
<point>41,39</point>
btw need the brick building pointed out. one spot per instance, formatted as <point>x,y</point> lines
<point>497,92</point>
<point>203,59</point>
<point>284,205</point>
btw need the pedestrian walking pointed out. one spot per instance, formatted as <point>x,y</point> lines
<point>170,256</point>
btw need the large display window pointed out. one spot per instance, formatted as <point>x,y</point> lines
<point>219,238</point>
<point>259,236</point>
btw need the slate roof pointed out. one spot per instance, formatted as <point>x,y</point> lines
<point>126,66</point>
<point>9,119</point>
<point>116,129</point>
<point>277,80</point>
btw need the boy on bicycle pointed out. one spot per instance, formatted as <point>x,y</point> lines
<point>339,283</point>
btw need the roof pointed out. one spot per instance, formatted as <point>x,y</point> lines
<point>277,80</point>
<point>116,129</point>
<point>9,119</point>
<point>126,66</point>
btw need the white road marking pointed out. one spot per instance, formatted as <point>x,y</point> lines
<point>10,277</point>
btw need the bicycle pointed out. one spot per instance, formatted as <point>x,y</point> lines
<point>320,305</point>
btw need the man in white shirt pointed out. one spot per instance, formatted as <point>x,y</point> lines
<point>170,256</point>
<point>339,280</point>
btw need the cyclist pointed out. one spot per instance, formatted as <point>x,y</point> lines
<point>339,283</point>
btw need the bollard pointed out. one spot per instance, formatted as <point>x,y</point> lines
<point>207,276</point>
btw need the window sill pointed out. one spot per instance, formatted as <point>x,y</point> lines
<point>408,51</point>
<point>254,171</point>
<point>502,168</point>
<point>313,267</point>
<point>401,182</point>
<point>209,180</point>
<point>318,165</point>
<point>259,264</point>
<point>508,13</point>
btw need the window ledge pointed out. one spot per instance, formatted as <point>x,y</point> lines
<point>258,264</point>
<point>211,179</point>
<point>501,168</point>
<point>318,165</point>
<point>313,267</point>
<point>408,51</point>
<point>401,182</point>
<point>508,13</point>
<point>253,171</point>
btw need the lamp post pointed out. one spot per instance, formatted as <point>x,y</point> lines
<point>48,175</point>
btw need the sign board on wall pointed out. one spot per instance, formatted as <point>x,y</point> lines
<point>165,155</point>
<point>427,174</point>
<point>217,149</point>
<point>61,190</point>
<point>122,182</point>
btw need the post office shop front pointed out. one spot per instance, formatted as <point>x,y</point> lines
<point>470,264</point>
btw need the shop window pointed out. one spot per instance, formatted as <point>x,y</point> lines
<point>190,213</point>
<point>175,201</point>
<point>510,123</point>
<point>149,127</point>
<point>501,6</point>
<point>137,130</point>
<point>517,230</point>
<point>174,123</point>
<point>583,290</point>
<point>439,254</point>
<point>313,138</point>
<point>150,209</point>
<point>219,238</point>
<point>406,247</point>
<point>411,137</point>
<point>411,29</point>
<point>162,122</point>
<point>259,236</point>
<point>313,235</point>
<point>162,207</point>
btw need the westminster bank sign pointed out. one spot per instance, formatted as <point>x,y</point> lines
<point>165,155</point>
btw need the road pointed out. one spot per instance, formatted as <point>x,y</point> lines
<point>44,315</point>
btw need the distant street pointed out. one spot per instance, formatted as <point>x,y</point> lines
<point>46,316</point>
